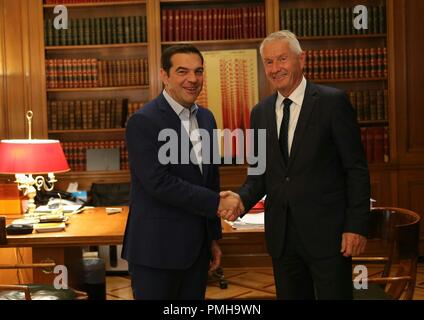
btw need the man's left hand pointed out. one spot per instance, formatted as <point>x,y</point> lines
<point>216,256</point>
<point>353,244</point>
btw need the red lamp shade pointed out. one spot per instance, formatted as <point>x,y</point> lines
<point>32,156</point>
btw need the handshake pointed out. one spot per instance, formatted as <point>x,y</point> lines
<point>230,206</point>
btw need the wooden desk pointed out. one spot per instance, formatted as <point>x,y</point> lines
<point>241,248</point>
<point>244,247</point>
<point>91,227</point>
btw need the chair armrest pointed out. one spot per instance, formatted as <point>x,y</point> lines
<point>23,288</point>
<point>389,279</point>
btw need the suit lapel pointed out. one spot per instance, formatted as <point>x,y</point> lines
<point>171,118</point>
<point>311,98</point>
<point>203,125</point>
<point>174,122</point>
<point>272,127</point>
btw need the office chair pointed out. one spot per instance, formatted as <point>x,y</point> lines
<point>110,194</point>
<point>37,291</point>
<point>396,233</point>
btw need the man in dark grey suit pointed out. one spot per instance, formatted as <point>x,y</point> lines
<point>316,180</point>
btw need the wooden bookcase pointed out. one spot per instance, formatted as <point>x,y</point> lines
<point>162,15</point>
<point>115,35</point>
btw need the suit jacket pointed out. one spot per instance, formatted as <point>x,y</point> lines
<point>172,207</point>
<point>325,183</point>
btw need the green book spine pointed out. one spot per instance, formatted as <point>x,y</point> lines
<point>69,37</point>
<point>331,22</point>
<point>299,15</point>
<point>81,31</point>
<point>342,21</point>
<point>337,22</point>
<point>127,36</point>
<point>282,19</point>
<point>321,21</point>
<point>87,31</point>
<point>138,36</point>
<point>109,30</point>
<point>103,30</point>
<point>382,19</point>
<point>63,37</point>
<point>114,30</point>
<point>98,30</point>
<point>144,29</point>
<point>326,22</point>
<point>289,25</point>
<point>131,38</point>
<point>349,21</point>
<point>309,28</point>
<point>315,22</point>
<point>120,36</point>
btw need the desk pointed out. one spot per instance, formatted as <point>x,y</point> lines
<point>244,247</point>
<point>95,227</point>
<point>92,227</point>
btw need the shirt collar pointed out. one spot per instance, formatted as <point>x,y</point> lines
<point>178,108</point>
<point>297,95</point>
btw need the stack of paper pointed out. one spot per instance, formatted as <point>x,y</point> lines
<point>250,221</point>
<point>66,209</point>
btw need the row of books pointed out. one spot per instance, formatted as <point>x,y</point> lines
<point>376,144</point>
<point>76,152</point>
<point>370,105</point>
<point>99,30</point>
<point>346,63</point>
<point>312,22</point>
<point>88,73</point>
<point>213,23</point>
<point>375,141</point>
<point>90,114</point>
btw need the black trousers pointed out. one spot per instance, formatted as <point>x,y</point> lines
<point>171,284</point>
<point>298,276</point>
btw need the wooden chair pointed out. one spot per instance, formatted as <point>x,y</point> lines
<point>37,291</point>
<point>395,232</point>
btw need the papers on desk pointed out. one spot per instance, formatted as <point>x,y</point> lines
<point>66,209</point>
<point>49,227</point>
<point>250,221</point>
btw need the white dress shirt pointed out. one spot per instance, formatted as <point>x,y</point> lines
<point>296,97</point>
<point>189,122</point>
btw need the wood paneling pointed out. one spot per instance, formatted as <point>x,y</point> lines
<point>22,68</point>
<point>411,195</point>
<point>408,48</point>
<point>384,187</point>
<point>411,190</point>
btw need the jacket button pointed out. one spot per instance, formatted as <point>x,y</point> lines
<point>287,179</point>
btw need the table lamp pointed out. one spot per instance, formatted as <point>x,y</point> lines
<point>27,157</point>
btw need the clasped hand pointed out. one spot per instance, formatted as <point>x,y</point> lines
<point>230,206</point>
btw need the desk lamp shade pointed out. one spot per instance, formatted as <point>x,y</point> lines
<point>32,156</point>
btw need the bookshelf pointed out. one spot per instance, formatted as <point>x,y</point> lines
<point>97,74</point>
<point>215,26</point>
<point>224,26</point>
<point>353,60</point>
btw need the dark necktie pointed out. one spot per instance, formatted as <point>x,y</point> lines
<point>284,130</point>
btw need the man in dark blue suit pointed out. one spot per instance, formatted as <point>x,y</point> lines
<point>316,179</point>
<point>172,230</point>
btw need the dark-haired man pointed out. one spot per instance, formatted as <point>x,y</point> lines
<point>173,227</point>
